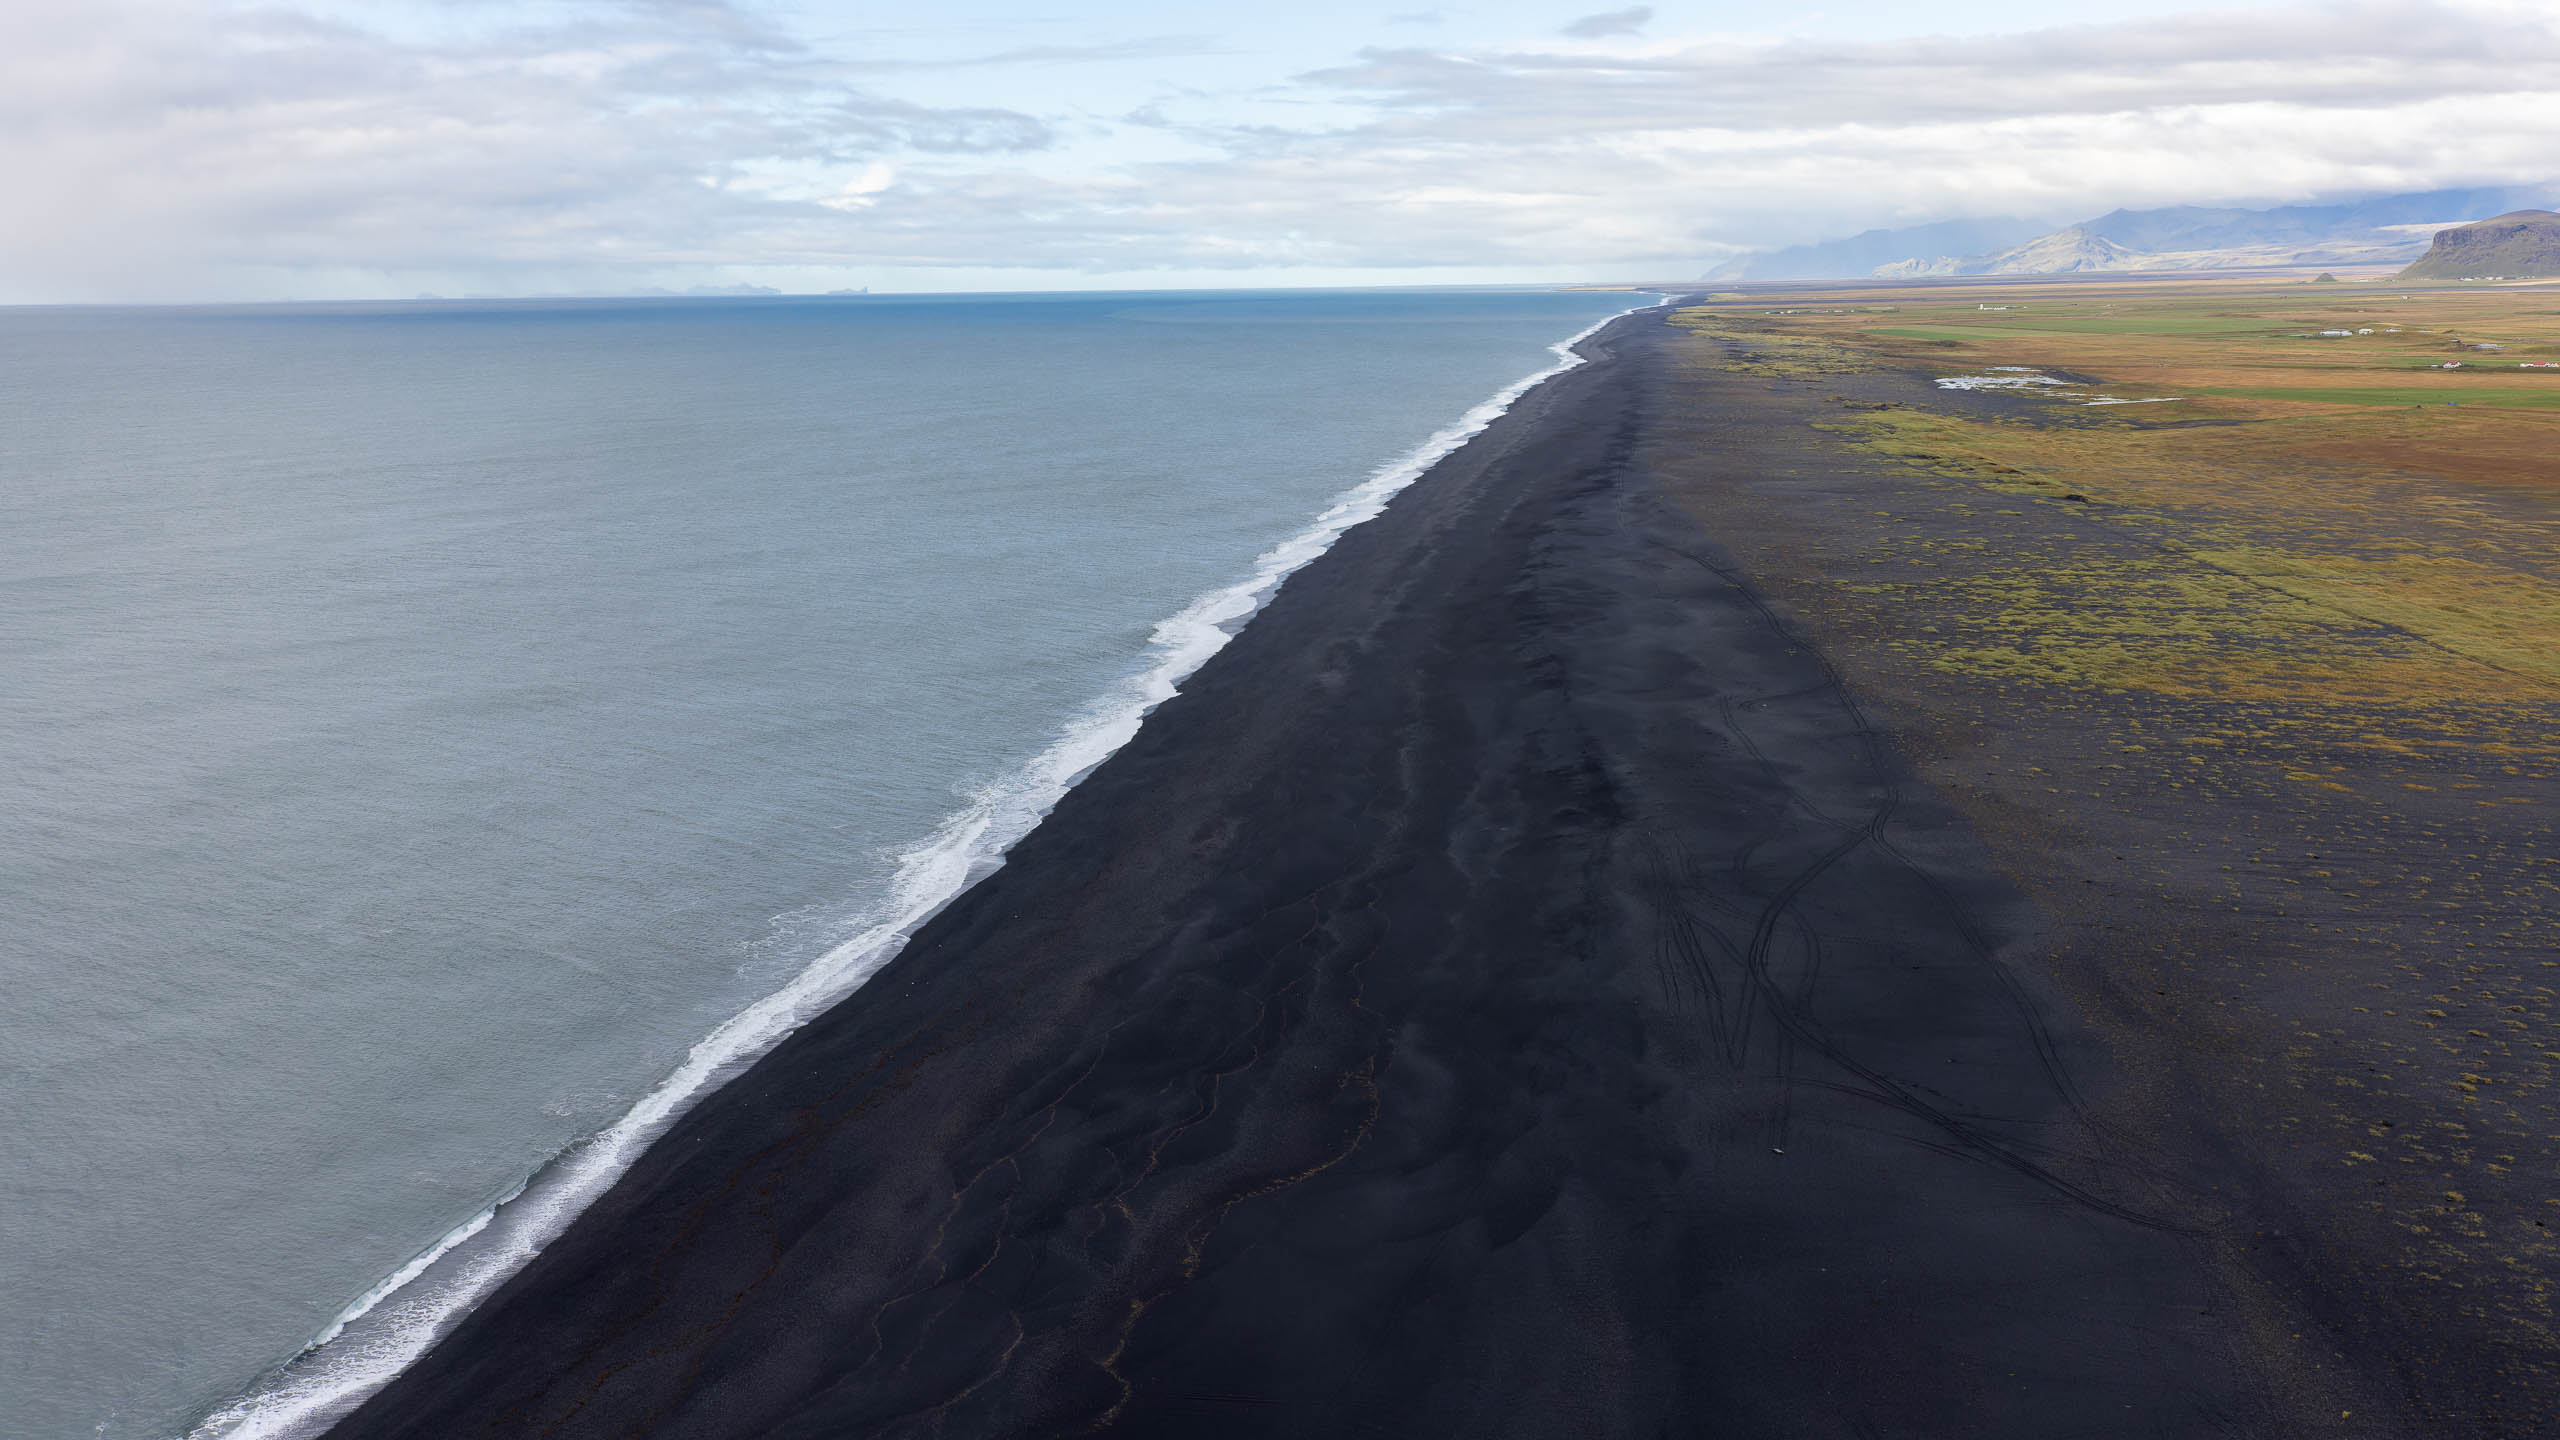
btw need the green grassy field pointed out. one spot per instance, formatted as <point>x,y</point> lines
<point>2505,398</point>
<point>1992,328</point>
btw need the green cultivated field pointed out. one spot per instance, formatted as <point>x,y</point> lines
<point>1992,327</point>
<point>2507,397</point>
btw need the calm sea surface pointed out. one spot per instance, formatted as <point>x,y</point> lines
<point>421,725</point>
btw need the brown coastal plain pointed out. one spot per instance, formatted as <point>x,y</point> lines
<point>1766,896</point>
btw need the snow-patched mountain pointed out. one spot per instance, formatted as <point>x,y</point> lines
<point>2064,252</point>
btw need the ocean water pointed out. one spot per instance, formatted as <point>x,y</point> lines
<point>439,739</point>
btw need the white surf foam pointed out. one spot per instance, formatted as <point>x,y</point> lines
<point>394,1323</point>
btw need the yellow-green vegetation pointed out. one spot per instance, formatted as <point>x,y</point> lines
<point>2250,342</point>
<point>2304,580</point>
<point>2305,539</point>
<point>1767,346</point>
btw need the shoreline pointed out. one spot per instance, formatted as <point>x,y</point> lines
<point>392,1327</point>
<point>1512,988</point>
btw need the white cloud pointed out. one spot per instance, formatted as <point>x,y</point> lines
<point>157,148</point>
<point>1613,22</point>
<point>154,146</point>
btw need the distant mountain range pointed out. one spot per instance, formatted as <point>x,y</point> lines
<point>2064,252</point>
<point>1862,254</point>
<point>2384,230</point>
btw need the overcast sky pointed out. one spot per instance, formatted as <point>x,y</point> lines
<point>178,149</point>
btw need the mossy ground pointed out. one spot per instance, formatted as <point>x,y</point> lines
<point>2261,693</point>
<point>2302,545</point>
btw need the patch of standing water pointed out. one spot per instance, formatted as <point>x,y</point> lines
<point>2004,377</point>
<point>2028,378</point>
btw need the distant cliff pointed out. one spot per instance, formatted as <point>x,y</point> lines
<point>2520,245</point>
<point>2387,229</point>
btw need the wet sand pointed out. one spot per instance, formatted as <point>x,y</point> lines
<point>1515,990</point>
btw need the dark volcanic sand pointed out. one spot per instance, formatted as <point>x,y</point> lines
<point>1512,991</point>
<point>2314,932</point>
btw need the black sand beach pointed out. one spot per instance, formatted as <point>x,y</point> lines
<point>1515,990</point>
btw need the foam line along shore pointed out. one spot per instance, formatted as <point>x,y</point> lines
<point>389,1327</point>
